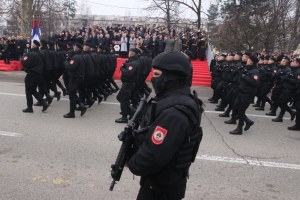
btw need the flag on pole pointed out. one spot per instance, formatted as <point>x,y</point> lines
<point>36,30</point>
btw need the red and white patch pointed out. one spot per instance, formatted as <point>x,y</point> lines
<point>72,62</point>
<point>255,77</point>
<point>130,68</point>
<point>159,135</point>
<point>25,58</point>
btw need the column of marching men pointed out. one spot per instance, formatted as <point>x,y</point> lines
<point>238,78</point>
<point>87,76</point>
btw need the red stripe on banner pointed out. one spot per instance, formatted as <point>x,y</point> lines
<point>33,23</point>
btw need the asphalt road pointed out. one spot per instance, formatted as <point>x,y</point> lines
<point>46,157</point>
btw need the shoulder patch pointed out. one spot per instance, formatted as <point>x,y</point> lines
<point>159,134</point>
<point>25,58</point>
<point>130,68</point>
<point>298,77</point>
<point>255,77</point>
<point>71,62</point>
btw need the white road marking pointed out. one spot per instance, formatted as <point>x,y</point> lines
<point>249,162</point>
<point>252,115</point>
<point>64,99</point>
<point>10,134</point>
<point>114,103</point>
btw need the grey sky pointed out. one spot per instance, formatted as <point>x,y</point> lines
<point>97,9</point>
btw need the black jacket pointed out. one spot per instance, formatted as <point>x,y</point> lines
<point>249,80</point>
<point>75,67</point>
<point>32,62</point>
<point>155,159</point>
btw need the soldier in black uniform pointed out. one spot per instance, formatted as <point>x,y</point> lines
<point>289,88</point>
<point>268,82</point>
<point>170,142</point>
<point>279,77</point>
<point>75,70</point>
<point>247,89</point>
<point>217,78</point>
<point>128,78</point>
<point>232,85</point>
<point>295,81</point>
<point>33,66</point>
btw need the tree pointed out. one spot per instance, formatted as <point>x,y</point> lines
<point>270,25</point>
<point>193,5</point>
<point>167,7</point>
<point>70,10</point>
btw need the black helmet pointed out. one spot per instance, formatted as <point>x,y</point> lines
<point>174,62</point>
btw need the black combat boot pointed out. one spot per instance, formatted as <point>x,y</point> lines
<point>279,118</point>
<point>249,123</point>
<point>296,127</point>
<point>38,104</point>
<point>57,95</point>
<point>231,121</point>
<point>238,130</point>
<point>100,98</point>
<point>69,115</point>
<point>292,113</point>
<point>49,99</point>
<point>45,105</point>
<point>225,114</point>
<point>219,109</point>
<point>256,105</point>
<point>123,119</point>
<point>82,109</point>
<point>28,110</point>
<point>271,113</point>
<point>260,108</point>
<point>90,102</point>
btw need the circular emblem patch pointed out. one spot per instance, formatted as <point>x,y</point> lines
<point>159,135</point>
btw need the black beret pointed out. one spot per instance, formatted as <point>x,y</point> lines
<point>253,58</point>
<point>297,60</point>
<point>223,55</point>
<point>267,57</point>
<point>239,53</point>
<point>37,43</point>
<point>93,46</point>
<point>87,44</point>
<point>43,42</point>
<point>70,43</point>
<point>174,62</point>
<point>273,58</point>
<point>78,45</point>
<point>285,57</point>
<point>261,57</point>
<point>135,50</point>
<point>247,53</point>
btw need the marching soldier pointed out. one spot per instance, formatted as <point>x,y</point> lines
<point>33,66</point>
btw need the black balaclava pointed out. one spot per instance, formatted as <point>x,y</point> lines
<point>166,82</point>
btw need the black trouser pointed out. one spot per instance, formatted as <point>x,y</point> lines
<point>31,83</point>
<point>265,90</point>
<point>152,192</point>
<point>244,100</point>
<point>124,97</point>
<point>284,99</point>
<point>7,58</point>
<point>276,92</point>
<point>74,86</point>
<point>297,100</point>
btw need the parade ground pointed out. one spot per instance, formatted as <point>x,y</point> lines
<point>46,157</point>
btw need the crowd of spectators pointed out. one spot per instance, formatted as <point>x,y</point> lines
<point>118,39</point>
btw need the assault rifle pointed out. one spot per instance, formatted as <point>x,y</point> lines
<point>127,138</point>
